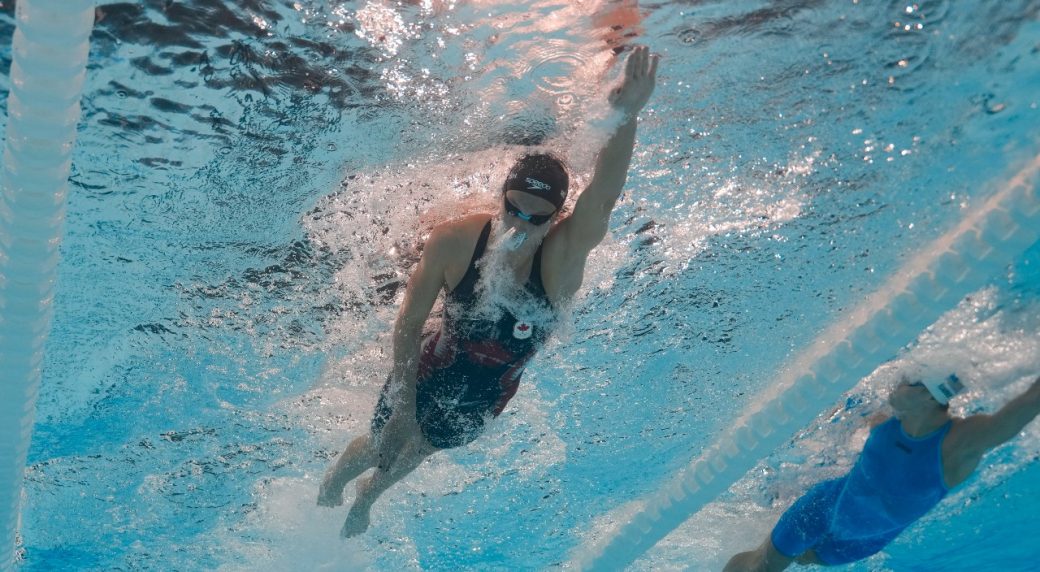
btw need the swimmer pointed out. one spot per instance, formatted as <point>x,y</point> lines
<point>445,386</point>
<point>908,464</point>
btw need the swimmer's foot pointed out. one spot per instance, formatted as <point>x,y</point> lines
<point>356,523</point>
<point>330,493</point>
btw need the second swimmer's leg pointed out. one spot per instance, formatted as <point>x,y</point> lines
<point>766,558</point>
<point>359,456</point>
<point>369,489</point>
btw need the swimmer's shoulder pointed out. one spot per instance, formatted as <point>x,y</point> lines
<point>451,245</point>
<point>457,239</point>
<point>461,233</point>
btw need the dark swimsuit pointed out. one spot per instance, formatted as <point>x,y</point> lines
<point>470,369</point>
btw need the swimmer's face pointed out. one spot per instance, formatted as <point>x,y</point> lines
<point>910,397</point>
<point>527,213</point>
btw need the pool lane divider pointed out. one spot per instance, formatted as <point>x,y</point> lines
<point>981,246</point>
<point>50,48</point>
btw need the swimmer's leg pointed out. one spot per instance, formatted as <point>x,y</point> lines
<point>810,557</point>
<point>369,489</point>
<point>800,530</point>
<point>765,558</point>
<point>359,456</point>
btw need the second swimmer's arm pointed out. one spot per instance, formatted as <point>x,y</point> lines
<point>972,437</point>
<point>989,431</point>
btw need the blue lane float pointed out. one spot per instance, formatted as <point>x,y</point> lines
<point>50,48</point>
<point>963,260</point>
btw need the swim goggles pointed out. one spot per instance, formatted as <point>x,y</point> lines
<point>535,219</point>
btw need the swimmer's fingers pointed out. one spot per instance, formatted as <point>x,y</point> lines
<point>650,66</point>
<point>654,60</point>
<point>635,65</point>
<point>638,59</point>
<point>633,91</point>
<point>630,63</point>
<point>644,62</point>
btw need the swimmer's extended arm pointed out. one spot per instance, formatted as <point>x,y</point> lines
<point>984,432</point>
<point>587,225</point>
<point>569,243</point>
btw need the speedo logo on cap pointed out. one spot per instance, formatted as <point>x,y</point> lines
<point>536,185</point>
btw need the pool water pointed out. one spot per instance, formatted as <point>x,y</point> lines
<point>251,182</point>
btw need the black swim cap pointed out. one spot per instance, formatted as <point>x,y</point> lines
<point>541,175</point>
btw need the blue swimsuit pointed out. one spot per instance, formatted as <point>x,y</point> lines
<point>896,480</point>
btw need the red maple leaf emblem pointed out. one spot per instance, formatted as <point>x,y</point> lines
<point>523,327</point>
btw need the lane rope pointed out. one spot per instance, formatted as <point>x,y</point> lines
<point>48,68</point>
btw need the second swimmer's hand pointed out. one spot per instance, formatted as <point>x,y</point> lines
<point>637,84</point>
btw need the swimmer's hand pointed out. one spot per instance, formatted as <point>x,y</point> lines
<point>637,84</point>
<point>400,437</point>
